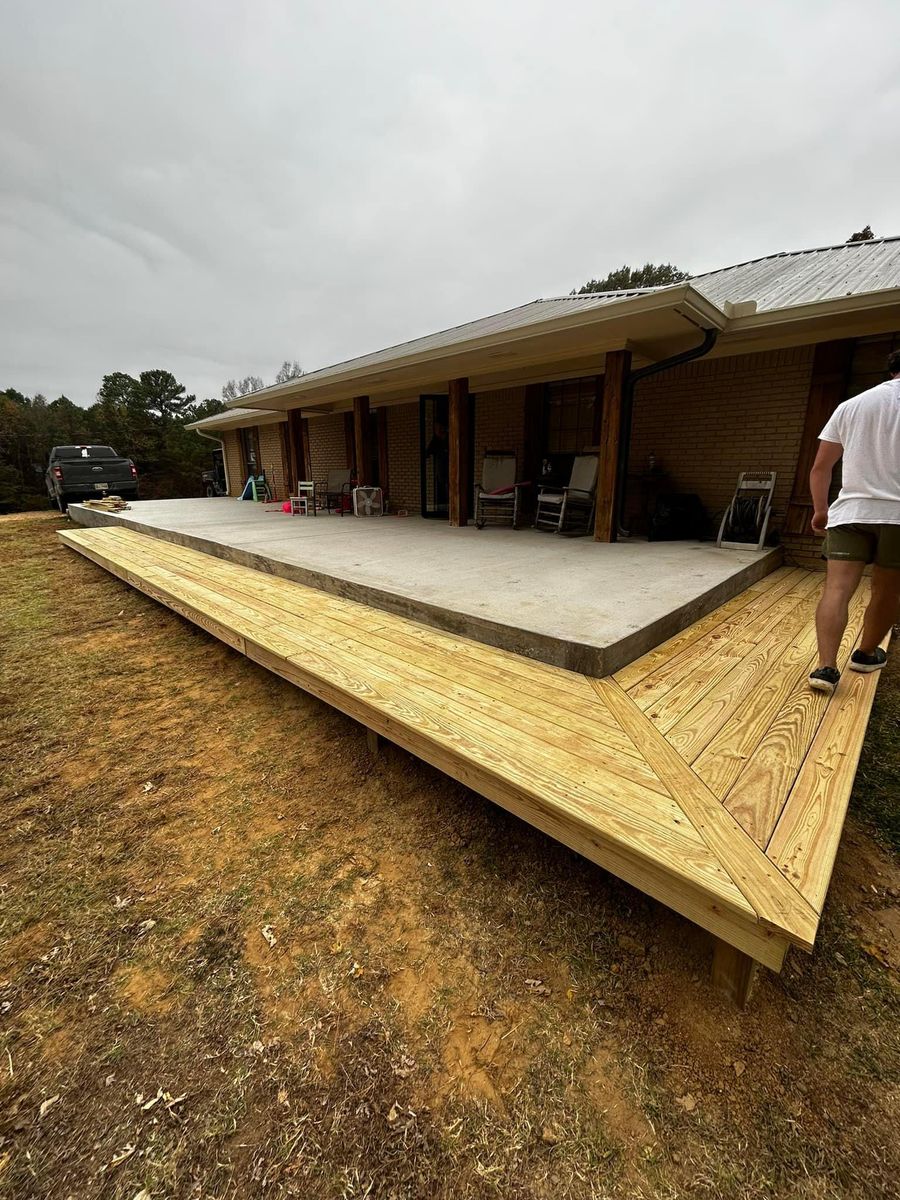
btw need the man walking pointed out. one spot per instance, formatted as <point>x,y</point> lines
<point>862,526</point>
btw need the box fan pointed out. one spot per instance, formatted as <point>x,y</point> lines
<point>368,502</point>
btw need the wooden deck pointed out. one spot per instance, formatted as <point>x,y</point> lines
<point>705,773</point>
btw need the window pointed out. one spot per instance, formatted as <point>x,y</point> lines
<point>250,450</point>
<point>572,408</point>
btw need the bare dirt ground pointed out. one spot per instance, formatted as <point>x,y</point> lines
<point>241,958</point>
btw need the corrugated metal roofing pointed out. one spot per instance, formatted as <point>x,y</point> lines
<point>806,276</point>
<point>777,281</point>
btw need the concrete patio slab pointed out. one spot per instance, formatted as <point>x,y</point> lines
<point>572,602</point>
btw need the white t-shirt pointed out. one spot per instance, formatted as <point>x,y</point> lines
<point>868,427</point>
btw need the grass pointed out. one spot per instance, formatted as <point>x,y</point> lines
<point>452,1005</point>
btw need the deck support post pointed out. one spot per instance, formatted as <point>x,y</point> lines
<point>615,378</point>
<point>734,973</point>
<point>362,448</point>
<point>458,436</point>
<point>374,742</point>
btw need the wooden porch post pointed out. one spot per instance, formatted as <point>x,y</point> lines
<point>534,444</point>
<point>297,446</point>
<point>618,367</point>
<point>384,477</point>
<point>458,436</point>
<point>350,440</point>
<point>361,437</point>
<point>827,388</point>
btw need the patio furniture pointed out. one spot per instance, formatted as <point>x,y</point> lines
<point>497,496</point>
<point>304,504</point>
<point>746,520</point>
<point>337,491</point>
<point>570,509</point>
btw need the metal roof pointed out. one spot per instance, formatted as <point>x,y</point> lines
<point>231,417</point>
<point>776,283</point>
<point>806,276</point>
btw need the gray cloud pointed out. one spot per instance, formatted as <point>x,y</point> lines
<point>214,186</point>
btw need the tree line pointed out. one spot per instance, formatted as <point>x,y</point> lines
<point>142,417</point>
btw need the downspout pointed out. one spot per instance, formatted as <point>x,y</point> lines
<point>709,340</point>
<point>209,437</point>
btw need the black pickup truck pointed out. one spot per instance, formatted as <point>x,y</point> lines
<point>77,472</point>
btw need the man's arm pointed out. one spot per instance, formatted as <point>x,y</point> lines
<point>820,482</point>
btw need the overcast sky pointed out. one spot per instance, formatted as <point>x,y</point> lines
<point>213,186</point>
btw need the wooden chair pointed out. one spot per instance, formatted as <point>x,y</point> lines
<point>570,509</point>
<point>305,503</point>
<point>497,496</point>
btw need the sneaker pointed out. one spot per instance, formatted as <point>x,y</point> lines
<point>860,661</point>
<point>825,679</point>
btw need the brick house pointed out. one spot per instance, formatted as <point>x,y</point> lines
<point>677,389</point>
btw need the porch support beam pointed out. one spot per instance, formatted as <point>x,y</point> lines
<point>827,388</point>
<point>298,446</point>
<point>615,377</point>
<point>384,478</point>
<point>363,453</point>
<point>458,436</point>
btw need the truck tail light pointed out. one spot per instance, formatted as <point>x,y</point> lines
<point>133,471</point>
<point>57,472</point>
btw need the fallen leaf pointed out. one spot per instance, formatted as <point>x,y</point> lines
<point>549,1136</point>
<point>47,1105</point>
<point>739,1067</point>
<point>283,1097</point>
<point>269,935</point>
<point>145,926</point>
<point>148,786</point>
<point>687,1102</point>
<point>356,970</point>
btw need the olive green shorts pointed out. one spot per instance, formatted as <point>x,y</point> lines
<point>878,544</point>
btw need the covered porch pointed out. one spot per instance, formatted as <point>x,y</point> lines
<point>572,603</point>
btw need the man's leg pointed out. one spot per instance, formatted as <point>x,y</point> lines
<point>841,581</point>
<point>883,609</point>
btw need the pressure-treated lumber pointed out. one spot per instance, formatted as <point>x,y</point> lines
<point>580,758</point>
<point>733,974</point>
<point>615,377</point>
<point>458,438</point>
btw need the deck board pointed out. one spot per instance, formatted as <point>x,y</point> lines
<point>630,771</point>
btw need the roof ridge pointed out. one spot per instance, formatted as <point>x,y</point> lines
<point>796,254</point>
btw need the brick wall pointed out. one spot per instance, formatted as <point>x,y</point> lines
<point>273,459</point>
<point>327,446</point>
<point>403,457</point>
<point>234,461</point>
<point>707,421</point>
<point>500,425</point>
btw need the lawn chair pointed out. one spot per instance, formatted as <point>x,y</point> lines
<point>304,504</point>
<point>570,509</point>
<point>338,491</point>
<point>497,496</point>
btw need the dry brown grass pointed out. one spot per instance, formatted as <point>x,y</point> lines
<point>443,1002</point>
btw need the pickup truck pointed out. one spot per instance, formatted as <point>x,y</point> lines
<point>76,472</point>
